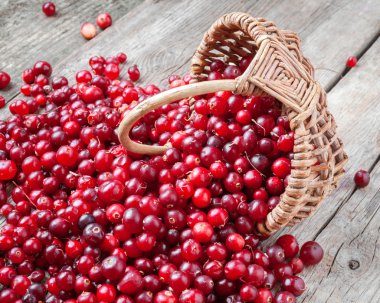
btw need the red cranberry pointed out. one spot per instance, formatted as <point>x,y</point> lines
<point>4,79</point>
<point>264,296</point>
<point>131,283</point>
<point>192,295</point>
<point>293,284</point>
<point>311,253</point>
<point>289,244</point>
<point>351,61</point>
<point>104,20</point>
<point>48,8</point>
<point>361,178</point>
<point>284,297</point>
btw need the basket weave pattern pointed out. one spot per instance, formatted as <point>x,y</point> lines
<point>280,70</point>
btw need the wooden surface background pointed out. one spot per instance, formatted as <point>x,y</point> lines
<point>161,36</point>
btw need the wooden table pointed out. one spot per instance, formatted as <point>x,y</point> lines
<point>160,36</point>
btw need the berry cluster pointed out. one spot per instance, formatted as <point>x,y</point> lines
<point>92,222</point>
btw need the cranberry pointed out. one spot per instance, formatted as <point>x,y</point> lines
<point>66,280</point>
<point>134,73</point>
<point>235,270</point>
<point>281,167</point>
<point>289,244</point>
<point>88,30</point>
<point>311,253</point>
<point>284,297</point>
<point>4,79</point>
<point>192,296</point>
<point>121,57</point>
<point>113,268</point>
<point>48,8</point>
<point>93,234</point>
<point>248,293</point>
<point>231,72</point>
<point>351,61</point>
<point>8,169</point>
<point>104,20</point>
<point>293,284</point>
<point>112,71</point>
<point>235,242</point>
<point>361,178</point>
<point>191,250</point>
<point>202,232</point>
<point>165,296</point>
<point>275,254</point>
<point>296,265</point>
<point>264,296</point>
<point>258,210</point>
<point>131,283</point>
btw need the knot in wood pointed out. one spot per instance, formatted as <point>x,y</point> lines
<point>353,264</point>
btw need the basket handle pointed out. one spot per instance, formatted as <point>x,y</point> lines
<point>166,97</point>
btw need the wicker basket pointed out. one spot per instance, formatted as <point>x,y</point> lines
<point>280,70</point>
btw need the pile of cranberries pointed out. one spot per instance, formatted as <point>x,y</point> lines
<point>92,222</point>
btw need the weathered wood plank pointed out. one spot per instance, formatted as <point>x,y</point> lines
<point>161,40</point>
<point>348,223</point>
<point>28,35</point>
<point>160,36</point>
<point>166,42</point>
<point>350,271</point>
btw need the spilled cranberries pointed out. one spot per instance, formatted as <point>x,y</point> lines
<point>92,222</point>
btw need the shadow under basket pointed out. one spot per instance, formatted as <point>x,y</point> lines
<point>278,69</point>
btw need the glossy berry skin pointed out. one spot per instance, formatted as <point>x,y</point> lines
<point>258,210</point>
<point>104,20</point>
<point>281,167</point>
<point>93,234</point>
<point>165,296</point>
<point>351,62</point>
<point>131,283</point>
<point>235,270</point>
<point>66,280</point>
<point>361,178</point>
<point>2,101</point>
<point>248,293</point>
<point>113,268</point>
<point>192,296</point>
<point>179,281</point>
<point>297,265</point>
<point>289,244</point>
<point>264,296</point>
<point>106,293</point>
<point>311,253</point>
<point>235,242</point>
<point>202,232</point>
<point>4,79</point>
<point>8,170</point>
<point>191,250</point>
<point>134,73</point>
<point>48,8</point>
<point>284,297</point>
<point>293,284</point>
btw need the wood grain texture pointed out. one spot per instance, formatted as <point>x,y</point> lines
<point>27,35</point>
<point>165,44</point>
<point>347,224</point>
<point>161,38</point>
